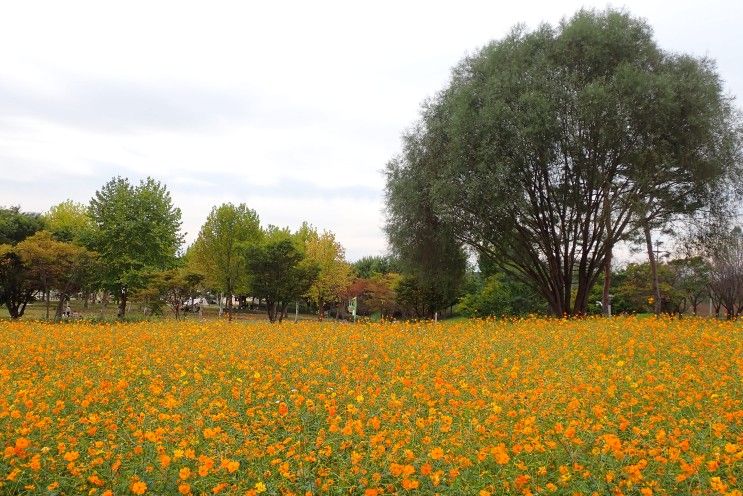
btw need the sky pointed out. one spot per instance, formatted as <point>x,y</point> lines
<point>293,108</point>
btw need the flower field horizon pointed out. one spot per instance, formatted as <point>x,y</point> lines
<point>483,407</point>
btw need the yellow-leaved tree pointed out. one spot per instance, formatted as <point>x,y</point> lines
<point>334,275</point>
<point>218,252</point>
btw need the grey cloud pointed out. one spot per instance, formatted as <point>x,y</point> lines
<point>111,106</point>
<point>22,188</point>
<point>333,189</point>
<point>221,185</point>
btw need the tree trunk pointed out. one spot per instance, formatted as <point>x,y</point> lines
<point>60,306</point>
<point>580,305</point>
<point>48,302</point>
<point>229,307</point>
<point>284,307</point>
<point>555,305</point>
<point>321,310</point>
<point>567,296</point>
<point>22,309</point>
<point>17,308</point>
<point>122,303</point>
<point>653,266</point>
<point>605,303</point>
<point>270,310</point>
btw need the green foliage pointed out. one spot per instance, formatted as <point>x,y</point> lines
<point>280,274</point>
<point>15,226</point>
<point>41,263</point>
<point>524,300</point>
<point>169,287</point>
<point>137,231</point>
<point>492,292</point>
<point>692,279</point>
<point>426,248</point>
<point>411,296</point>
<point>632,288</point>
<point>548,147</point>
<point>218,251</point>
<point>420,298</point>
<point>70,221</point>
<point>683,284</point>
<point>56,265</point>
<point>370,266</point>
<point>493,299</point>
<point>16,287</point>
<point>39,254</point>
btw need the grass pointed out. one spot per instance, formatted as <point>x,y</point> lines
<point>97,312</point>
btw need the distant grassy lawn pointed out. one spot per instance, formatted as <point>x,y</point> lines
<point>37,311</point>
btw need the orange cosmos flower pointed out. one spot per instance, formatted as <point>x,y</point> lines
<point>71,456</point>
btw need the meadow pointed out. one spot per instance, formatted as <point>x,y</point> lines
<point>532,406</point>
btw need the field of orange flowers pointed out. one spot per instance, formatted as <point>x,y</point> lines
<point>537,406</point>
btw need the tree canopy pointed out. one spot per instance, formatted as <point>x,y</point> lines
<point>334,273</point>
<point>70,221</point>
<point>549,147</point>
<point>15,226</point>
<point>17,287</point>
<point>279,271</point>
<point>218,251</point>
<point>372,265</point>
<point>137,231</point>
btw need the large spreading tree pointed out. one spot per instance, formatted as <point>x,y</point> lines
<point>137,232</point>
<point>550,147</point>
<point>52,265</point>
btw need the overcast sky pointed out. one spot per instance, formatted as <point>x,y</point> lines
<point>291,107</point>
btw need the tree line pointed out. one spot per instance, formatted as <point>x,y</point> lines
<point>126,246</point>
<point>105,248</point>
